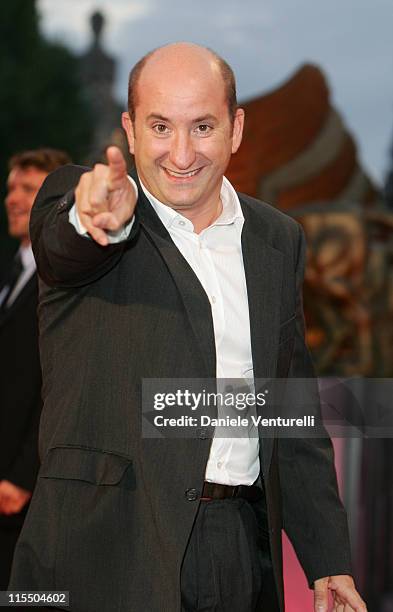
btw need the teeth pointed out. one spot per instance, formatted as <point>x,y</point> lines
<point>182,174</point>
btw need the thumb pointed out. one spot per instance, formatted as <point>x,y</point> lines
<point>117,163</point>
<point>321,595</point>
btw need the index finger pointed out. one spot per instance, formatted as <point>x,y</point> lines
<point>117,163</point>
<point>321,595</point>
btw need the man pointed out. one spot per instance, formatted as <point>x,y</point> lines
<point>20,389</point>
<point>174,277</point>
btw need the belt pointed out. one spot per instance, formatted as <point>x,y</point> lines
<point>213,490</point>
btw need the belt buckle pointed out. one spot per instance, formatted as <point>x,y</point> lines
<point>235,491</point>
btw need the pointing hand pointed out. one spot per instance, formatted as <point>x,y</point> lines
<point>105,197</point>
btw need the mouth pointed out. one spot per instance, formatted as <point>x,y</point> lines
<point>15,214</point>
<point>181,176</point>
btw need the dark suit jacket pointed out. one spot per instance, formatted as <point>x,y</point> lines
<point>112,512</point>
<point>20,393</point>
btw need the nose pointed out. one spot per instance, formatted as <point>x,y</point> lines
<point>14,197</point>
<point>11,199</point>
<point>182,153</point>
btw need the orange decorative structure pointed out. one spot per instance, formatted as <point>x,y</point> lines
<point>297,154</point>
<point>296,149</point>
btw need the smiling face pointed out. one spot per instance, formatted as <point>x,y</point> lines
<point>23,185</point>
<point>182,136</point>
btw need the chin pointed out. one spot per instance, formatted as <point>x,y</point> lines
<point>13,232</point>
<point>17,233</point>
<point>181,197</point>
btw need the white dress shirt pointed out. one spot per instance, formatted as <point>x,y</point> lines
<point>215,255</point>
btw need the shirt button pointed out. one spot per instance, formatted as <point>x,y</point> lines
<point>214,299</point>
<point>191,494</point>
<point>182,223</point>
<point>219,465</point>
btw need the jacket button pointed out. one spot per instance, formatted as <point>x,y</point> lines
<point>191,494</point>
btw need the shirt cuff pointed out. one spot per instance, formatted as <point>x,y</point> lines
<point>114,236</point>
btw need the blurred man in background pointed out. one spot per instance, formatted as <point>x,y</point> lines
<point>20,388</point>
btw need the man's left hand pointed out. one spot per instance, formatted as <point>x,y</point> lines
<point>345,596</point>
<point>12,498</point>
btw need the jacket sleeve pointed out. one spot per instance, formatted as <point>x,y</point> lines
<point>313,515</point>
<point>64,257</point>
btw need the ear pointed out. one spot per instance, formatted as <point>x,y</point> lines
<point>237,133</point>
<point>128,127</point>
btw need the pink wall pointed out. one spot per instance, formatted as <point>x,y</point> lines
<point>298,597</point>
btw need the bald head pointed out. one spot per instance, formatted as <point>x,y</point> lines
<point>190,63</point>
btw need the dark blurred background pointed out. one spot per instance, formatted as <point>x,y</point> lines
<point>41,101</point>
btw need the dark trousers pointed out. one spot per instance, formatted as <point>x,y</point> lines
<point>8,539</point>
<point>10,528</point>
<point>227,566</point>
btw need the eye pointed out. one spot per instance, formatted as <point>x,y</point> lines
<point>203,128</point>
<point>160,128</point>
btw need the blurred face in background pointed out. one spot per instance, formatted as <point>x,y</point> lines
<point>23,185</point>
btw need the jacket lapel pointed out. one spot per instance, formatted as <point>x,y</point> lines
<point>194,297</point>
<point>29,287</point>
<point>263,266</point>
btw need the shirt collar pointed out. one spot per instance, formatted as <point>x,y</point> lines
<point>231,209</point>
<point>27,257</point>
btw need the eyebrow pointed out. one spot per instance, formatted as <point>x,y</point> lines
<point>205,118</point>
<point>208,117</point>
<point>157,116</point>
<point>23,184</point>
